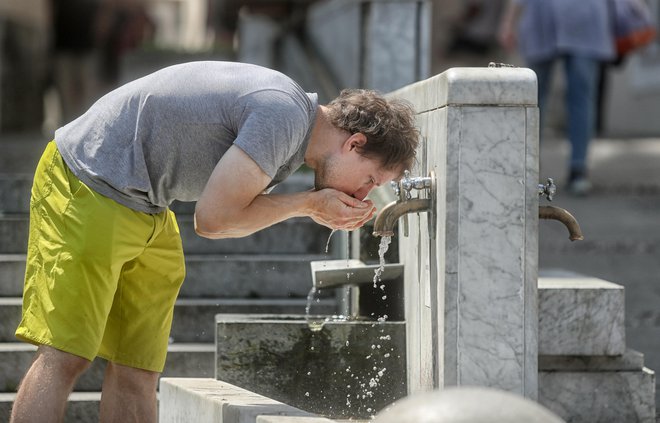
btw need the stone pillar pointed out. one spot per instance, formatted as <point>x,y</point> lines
<point>378,44</point>
<point>471,306</point>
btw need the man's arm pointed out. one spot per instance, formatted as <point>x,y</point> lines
<point>233,205</point>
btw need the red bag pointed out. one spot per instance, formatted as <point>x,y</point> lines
<point>633,25</point>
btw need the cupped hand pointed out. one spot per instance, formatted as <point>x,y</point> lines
<point>338,210</point>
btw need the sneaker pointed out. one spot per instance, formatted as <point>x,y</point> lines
<point>579,187</point>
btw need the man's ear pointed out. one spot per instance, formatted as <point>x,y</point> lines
<point>356,141</point>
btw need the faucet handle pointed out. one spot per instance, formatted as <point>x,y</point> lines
<point>395,188</point>
<point>549,190</point>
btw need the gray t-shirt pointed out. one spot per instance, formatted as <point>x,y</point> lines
<point>157,139</point>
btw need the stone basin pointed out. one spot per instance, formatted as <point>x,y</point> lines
<point>341,369</point>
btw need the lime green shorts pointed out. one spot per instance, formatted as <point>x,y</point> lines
<point>101,279</point>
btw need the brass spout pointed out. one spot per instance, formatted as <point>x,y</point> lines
<point>556,213</point>
<point>384,224</point>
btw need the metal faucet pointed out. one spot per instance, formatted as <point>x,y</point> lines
<point>387,218</point>
<point>562,215</point>
<point>557,213</point>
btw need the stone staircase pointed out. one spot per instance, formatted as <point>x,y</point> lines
<point>587,374</point>
<point>268,272</point>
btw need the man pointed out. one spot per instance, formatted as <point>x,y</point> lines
<point>579,34</point>
<point>105,261</point>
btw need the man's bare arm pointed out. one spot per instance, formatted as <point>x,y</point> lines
<point>233,205</point>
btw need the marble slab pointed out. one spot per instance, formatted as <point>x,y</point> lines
<point>588,397</point>
<point>478,280</point>
<point>336,273</point>
<point>202,400</point>
<point>375,44</point>
<point>581,316</point>
<point>330,367</point>
<point>628,361</point>
<point>473,86</point>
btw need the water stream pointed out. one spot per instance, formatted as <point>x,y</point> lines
<point>365,387</point>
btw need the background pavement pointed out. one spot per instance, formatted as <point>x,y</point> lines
<point>620,221</point>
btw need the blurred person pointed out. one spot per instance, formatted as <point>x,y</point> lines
<point>73,58</point>
<point>578,34</point>
<point>121,26</point>
<point>89,39</point>
<point>105,260</point>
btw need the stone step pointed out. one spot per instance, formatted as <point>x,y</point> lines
<point>183,360</point>
<point>21,151</point>
<point>204,400</point>
<point>293,236</point>
<point>82,407</point>
<point>194,319</point>
<point>580,315</point>
<point>15,192</point>
<point>599,396</point>
<point>213,275</point>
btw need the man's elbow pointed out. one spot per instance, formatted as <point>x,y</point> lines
<point>207,227</point>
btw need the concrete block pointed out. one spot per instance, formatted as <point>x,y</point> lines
<point>589,397</point>
<point>342,369</point>
<point>214,401</point>
<point>580,316</point>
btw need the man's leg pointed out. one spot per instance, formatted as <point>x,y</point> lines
<point>129,395</point>
<point>43,392</point>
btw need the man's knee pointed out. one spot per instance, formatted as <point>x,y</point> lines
<point>131,378</point>
<point>62,361</point>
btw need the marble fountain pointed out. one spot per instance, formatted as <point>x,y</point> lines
<point>465,306</point>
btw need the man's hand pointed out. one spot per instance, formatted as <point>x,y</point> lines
<point>338,210</point>
<point>232,204</point>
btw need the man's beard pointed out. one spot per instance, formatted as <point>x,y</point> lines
<point>324,173</point>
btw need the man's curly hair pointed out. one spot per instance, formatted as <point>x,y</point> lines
<point>388,124</point>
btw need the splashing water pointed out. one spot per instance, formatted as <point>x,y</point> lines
<point>382,249</point>
<point>310,298</point>
<point>315,325</point>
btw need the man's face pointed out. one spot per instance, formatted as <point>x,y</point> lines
<point>352,174</point>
